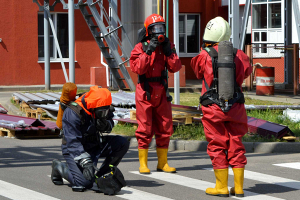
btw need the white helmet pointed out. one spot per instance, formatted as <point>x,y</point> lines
<point>217,30</point>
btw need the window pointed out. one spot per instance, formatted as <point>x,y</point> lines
<point>60,21</point>
<point>266,14</point>
<point>259,16</point>
<point>260,38</point>
<point>189,34</point>
<point>266,26</point>
<point>274,15</point>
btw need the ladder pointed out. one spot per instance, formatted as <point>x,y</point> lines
<point>106,35</point>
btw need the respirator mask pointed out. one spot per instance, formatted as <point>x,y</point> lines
<point>158,30</point>
<point>100,118</point>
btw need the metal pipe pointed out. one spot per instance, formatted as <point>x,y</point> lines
<point>244,25</point>
<point>46,45</point>
<point>288,55</point>
<point>176,42</point>
<point>167,19</point>
<point>57,45</point>
<point>233,15</point>
<point>249,79</point>
<point>296,68</point>
<point>164,9</point>
<point>71,41</point>
<point>271,107</point>
<point>158,8</point>
<point>297,17</point>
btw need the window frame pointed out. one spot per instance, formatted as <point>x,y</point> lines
<point>55,57</point>
<point>185,54</point>
<point>267,30</point>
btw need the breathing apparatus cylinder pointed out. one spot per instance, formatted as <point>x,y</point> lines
<point>226,73</point>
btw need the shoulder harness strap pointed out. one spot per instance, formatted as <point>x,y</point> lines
<point>78,110</point>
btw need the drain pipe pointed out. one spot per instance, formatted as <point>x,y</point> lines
<point>106,67</point>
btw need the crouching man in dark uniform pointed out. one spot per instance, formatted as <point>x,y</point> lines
<point>83,144</point>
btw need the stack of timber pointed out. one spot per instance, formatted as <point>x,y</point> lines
<point>37,113</point>
<point>181,115</point>
<point>23,127</point>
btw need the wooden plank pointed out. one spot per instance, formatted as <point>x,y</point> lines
<point>133,114</point>
<point>24,106</point>
<point>6,132</point>
<point>177,116</point>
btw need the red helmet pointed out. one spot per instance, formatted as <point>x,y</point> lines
<point>153,19</point>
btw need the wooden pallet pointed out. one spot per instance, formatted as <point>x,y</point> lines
<point>16,100</point>
<point>26,134</point>
<point>36,114</point>
<point>24,106</point>
<point>6,132</point>
<point>177,116</point>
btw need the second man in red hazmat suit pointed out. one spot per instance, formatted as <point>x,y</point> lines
<point>150,59</point>
<point>224,126</point>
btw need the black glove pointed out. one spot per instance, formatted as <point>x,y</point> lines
<point>88,168</point>
<point>166,45</point>
<point>103,125</point>
<point>152,45</point>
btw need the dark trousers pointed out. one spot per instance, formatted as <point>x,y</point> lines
<point>113,149</point>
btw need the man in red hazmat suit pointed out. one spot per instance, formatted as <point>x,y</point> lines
<point>224,121</point>
<point>150,59</point>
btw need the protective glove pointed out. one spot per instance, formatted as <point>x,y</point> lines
<point>103,125</point>
<point>152,45</point>
<point>166,45</point>
<point>88,168</point>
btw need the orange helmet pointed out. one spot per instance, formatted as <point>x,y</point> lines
<point>95,98</point>
<point>153,19</point>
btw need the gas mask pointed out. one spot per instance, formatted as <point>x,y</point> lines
<point>158,30</point>
<point>100,119</point>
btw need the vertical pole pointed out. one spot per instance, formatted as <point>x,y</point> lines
<point>288,55</point>
<point>71,42</point>
<point>46,45</point>
<point>244,25</point>
<point>248,80</point>
<point>176,42</point>
<point>167,19</point>
<point>158,7</point>
<point>297,17</point>
<point>234,21</point>
<point>164,9</point>
<point>296,69</point>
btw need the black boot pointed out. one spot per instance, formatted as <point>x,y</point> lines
<point>59,171</point>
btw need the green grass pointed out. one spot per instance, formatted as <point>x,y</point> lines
<point>124,129</point>
<point>195,132</point>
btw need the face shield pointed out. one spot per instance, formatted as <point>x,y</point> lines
<point>101,112</point>
<point>158,30</point>
<point>100,121</point>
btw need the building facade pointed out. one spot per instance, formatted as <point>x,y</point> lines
<point>22,38</point>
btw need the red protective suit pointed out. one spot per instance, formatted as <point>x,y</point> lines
<point>154,116</point>
<point>224,131</point>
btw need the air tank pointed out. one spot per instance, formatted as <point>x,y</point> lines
<point>226,71</point>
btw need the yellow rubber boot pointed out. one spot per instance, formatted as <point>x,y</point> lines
<point>237,190</point>
<point>162,165</point>
<point>143,157</point>
<point>221,188</point>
